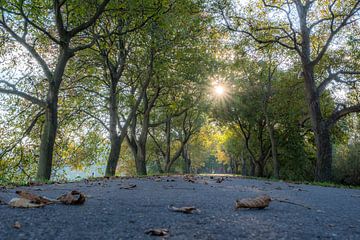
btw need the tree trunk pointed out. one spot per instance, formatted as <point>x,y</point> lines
<point>113,156</point>
<point>252,168</point>
<point>274,151</point>
<point>114,138</point>
<point>48,137</point>
<point>168,146</point>
<point>259,169</point>
<point>324,155</point>
<point>319,125</point>
<point>320,129</point>
<point>187,161</point>
<point>140,160</point>
<point>243,165</point>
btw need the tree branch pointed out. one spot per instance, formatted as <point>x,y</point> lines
<point>14,91</point>
<point>337,115</point>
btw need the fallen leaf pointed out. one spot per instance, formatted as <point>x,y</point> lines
<point>258,202</point>
<point>24,203</point>
<point>189,179</point>
<point>33,197</point>
<point>157,232</point>
<point>17,225</point>
<point>220,180</point>
<point>73,198</point>
<point>129,186</point>
<point>187,210</point>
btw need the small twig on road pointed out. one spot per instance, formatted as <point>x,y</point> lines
<point>356,195</point>
<point>296,204</point>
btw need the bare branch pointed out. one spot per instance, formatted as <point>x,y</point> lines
<point>335,77</point>
<point>337,115</point>
<point>335,31</point>
<point>15,91</point>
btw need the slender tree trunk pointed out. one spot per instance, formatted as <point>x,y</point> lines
<point>252,168</point>
<point>274,151</point>
<point>113,156</point>
<point>48,137</point>
<point>168,146</point>
<point>140,160</point>
<point>114,138</point>
<point>187,161</point>
<point>49,132</point>
<point>243,165</point>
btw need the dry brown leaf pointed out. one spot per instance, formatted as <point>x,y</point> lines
<point>129,186</point>
<point>73,198</point>
<point>187,210</point>
<point>220,180</point>
<point>189,178</point>
<point>33,197</point>
<point>17,225</point>
<point>24,203</point>
<point>157,232</point>
<point>258,202</point>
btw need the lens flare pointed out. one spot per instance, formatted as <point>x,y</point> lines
<point>219,90</point>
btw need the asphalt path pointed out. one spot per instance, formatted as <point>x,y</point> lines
<point>112,212</point>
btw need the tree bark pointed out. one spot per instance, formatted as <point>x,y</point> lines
<point>259,169</point>
<point>273,150</point>
<point>49,132</point>
<point>319,124</point>
<point>243,165</point>
<point>140,160</point>
<point>252,168</point>
<point>187,160</point>
<point>48,137</point>
<point>114,138</point>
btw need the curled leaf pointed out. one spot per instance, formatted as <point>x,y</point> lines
<point>187,210</point>
<point>189,178</point>
<point>24,203</point>
<point>128,187</point>
<point>258,202</point>
<point>220,180</point>
<point>33,197</point>
<point>157,232</point>
<point>73,198</point>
